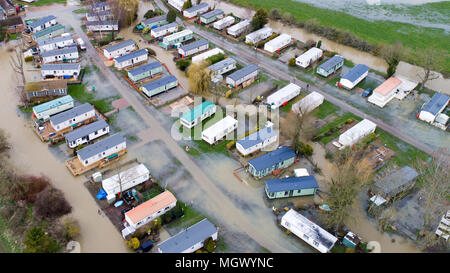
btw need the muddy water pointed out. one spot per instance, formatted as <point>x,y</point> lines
<point>31,156</point>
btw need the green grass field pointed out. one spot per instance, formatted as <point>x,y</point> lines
<point>374,32</point>
<point>41,2</point>
<point>326,109</point>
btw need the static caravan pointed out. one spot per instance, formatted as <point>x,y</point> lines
<point>257,141</point>
<point>55,43</point>
<point>242,75</point>
<point>35,91</point>
<point>65,70</point>
<point>330,66</point>
<point>196,10</point>
<point>308,231</point>
<point>283,95</point>
<point>434,108</point>
<point>208,18</point>
<point>291,187</point>
<point>197,114</point>
<point>278,43</point>
<point>100,6</point>
<point>219,130</point>
<point>239,28</point>
<point>164,30</point>
<point>125,180</point>
<point>103,15</point>
<point>222,67</point>
<point>65,54</point>
<point>192,48</point>
<point>224,23</point>
<point>385,92</point>
<point>308,103</point>
<point>397,182</point>
<point>105,148</point>
<point>155,21</point>
<point>278,159</point>
<point>53,107</point>
<point>87,133</point>
<point>178,4</point>
<point>151,209</point>
<point>131,59</point>
<point>189,240</point>
<point>357,132</point>
<point>354,76</point>
<point>72,117</point>
<point>110,25</point>
<point>42,23</point>
<point>119,49</point>
<point>259,35</point>
<point>309,57</point>
<point>159,86</point>
<point>205,55</point>
<point>145,71</point>
<point>48,33</point>
<point>175,40</point>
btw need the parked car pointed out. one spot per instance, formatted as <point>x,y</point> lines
<point>367,92</point>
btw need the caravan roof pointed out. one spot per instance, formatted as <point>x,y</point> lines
<point>86,130</point>
<point>257,137</point>
<point>197,111</point>
<point>356,72</point>
<point>281,154</point>
<point>69,114</point>
<point>119,45</point>
<point>292,183</point>
<point>144,68</point>
<point>195,44</point>
<point>52,104</point>
<point>329,64</point>
<point>387,86</point>
<point>160,82</point>
<point>436,103</point>
<point>131,55</point>
<point>100,146</point>
<point>243,72</point>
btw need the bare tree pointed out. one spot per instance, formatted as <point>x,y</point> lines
<point>429,58</point>
<point>199,79</point>
<point>17,64</point>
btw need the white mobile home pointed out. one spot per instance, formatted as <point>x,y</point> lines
<point>178,4</point>
<point>164,30</point>
<point>308,231</point>
<point>357,132</point>
<point>239,28</point>
<point>65,70</point>
<point>192,48</point>
<point>105,148</point>
<point>259,35</point>
<point>278,43</point>
<point>87,133</point>
<point>100,6</point>
<point>72,117</point>
<point>242,75</point>
<point>309,57</point>
<point>385,92</point>
<point>283,95</point>
<point>110,25</point>
<point>42,23</point>
<point>224,22</point>
<point>308,103</point>
<point>55,43</point>
<point>103,15</point>
<point>131,59</point>
<point>205,55</point>
<point>66,54</point>
<point>53,107</point>
<point>354,76</point>
<point>257,141</point>
<point>119,49</point>
<point>125,180</point>
<point>189,240</point>
<point>198,114</point>
<point>195,11</point>
<point>219,68</point>
<point>151,209</point>
<point>219,130</point>
<point>433,108</point>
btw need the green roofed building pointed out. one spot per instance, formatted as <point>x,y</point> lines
<point>198,114</point>
<point>48,33</point>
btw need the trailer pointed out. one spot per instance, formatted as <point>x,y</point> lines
<point>283,95</point>
<point>195,11</point>
<point>357,132</point>
<point>223,23</point>
<point>125,180</point>
<point>309,57</point>
<point>192,48</point>
<point>354,76</point>
<point>259,35</point>
<point>219,130</point>
<point>161,85</point>
<point>239,28</point>
<point>206,55</point>
<point>164,30</point>
<point>308,103</point>
<point>278,43</point>
<point>330,66</point>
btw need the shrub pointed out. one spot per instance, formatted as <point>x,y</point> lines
<point>292,62</point>
<point>171,16</point>
<point>275,14</point>
<point>151,52</point>
<point>51,203</point>
<point>348,121</point>
<point>209,244</point>
<point>37,241</point>
<point>183,64</point>
<point>28,58</point>
<point>216,58</point>
<point>71,228</point>
<point>305,149</point>
<point>133,243</point>
<point>329,155</point>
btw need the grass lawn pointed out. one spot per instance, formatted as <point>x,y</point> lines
<point>104,105</point>
<point>78,92</point>
<point>340,120</point>
<point>374,32</point>
<point>80,11</point>
<point>189,218</point>
<point>288,106</point>
<point>324,110</point>
<point>42,2</point>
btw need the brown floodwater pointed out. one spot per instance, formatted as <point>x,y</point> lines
<point>31,156</point>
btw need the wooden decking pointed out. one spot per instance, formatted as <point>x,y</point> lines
<point>77,168</point>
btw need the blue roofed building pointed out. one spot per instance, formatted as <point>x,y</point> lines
<point>220,68</point>
<point>48,33</point>
<point>354,76</point>
<point>155,21</point>
<point>87,133</point>
<point>119,49</point>
<point>207,18</point>
<point>189,240</point>
<point>242,75</point>
<point>196,10</point>
<point>198,114</point>
<point>131,59</point>
<point>160,85</point>
<point>53,107</point>
<point>291,186</point>
<point>105,148</point>
<point>278,159</point>
<point>42,23</point>
<point>330,66</point>
<point>256,141</point>
<point>431,112</point>
<point>192,48</point>
<point>145,71</point>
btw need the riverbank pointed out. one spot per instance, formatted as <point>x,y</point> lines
<point>374,32</point>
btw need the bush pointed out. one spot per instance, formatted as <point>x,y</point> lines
<point>28,58</point>
<point>50,203</point>
<point>216,58</point>
<point>183,64</point>
<point>133,243</point>
<point>275,14</point>
<point>151,52</point>
<point>292,62</point>
<point>171,16</point>
<point>348,121</point>
<point>305,149</point>
<point>71,228</point>
<point>209,244</point>
<point>329,155</point>
<point>36,241</point>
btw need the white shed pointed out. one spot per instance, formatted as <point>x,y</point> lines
<point>307,58</point>
<point>240,27</point>
<point>224,22</point>
<point>277,43</point>
<point>219,130</point>
<point>283,95</point>
<point>259,35</point>
<point>308,103</point>
<point>357,132</point>
<point>207,54</point>
<point>126,179</point>
<point>308,231</point>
